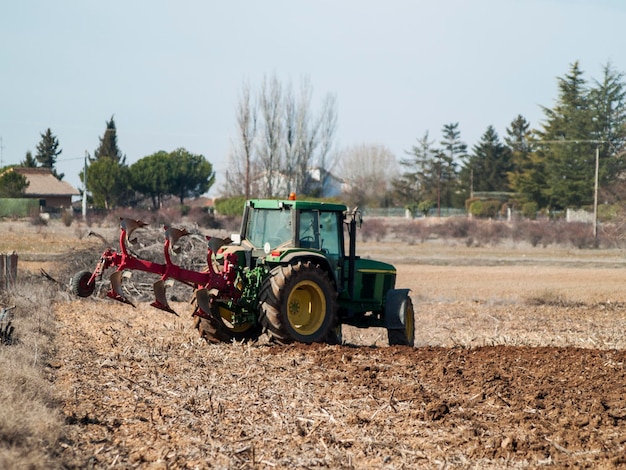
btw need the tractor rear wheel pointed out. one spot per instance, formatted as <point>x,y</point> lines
<point>298,303</point>
<point>220,329</point>
<point>79,284</point>
<point>404,336</point>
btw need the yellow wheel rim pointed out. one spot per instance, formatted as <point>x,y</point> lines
<point>306,308</point>
<point>227,319</point>
<point>409,322</point>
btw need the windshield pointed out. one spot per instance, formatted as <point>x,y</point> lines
<point>271,226</point>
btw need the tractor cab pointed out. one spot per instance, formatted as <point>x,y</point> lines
<point>278,231</point>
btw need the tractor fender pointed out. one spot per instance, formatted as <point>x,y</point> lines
<point>318,258</point>
<point>395,308</point>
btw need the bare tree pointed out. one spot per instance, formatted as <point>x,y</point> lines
<point>369,170</point>
<point>327,126</point>
<point>308,138</point>
<point>241,161</point>
<point>271,107</point>
<point>279,140</point>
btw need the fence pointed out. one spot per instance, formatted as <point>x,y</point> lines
<point>8,270</point>
<point>406,213</point>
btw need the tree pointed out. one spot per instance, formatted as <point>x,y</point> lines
<point>271,106</point>
<point>108,182</point>
<point>566,144</point>
<point>108,176</point>
<point>108,144</point>
<point>488,165</point>
<point>151,176</point>
<point>527,176</point>
<point>29,161</point>
<point>607,101</point>
<point>48,151</point>
<point>369,170</point>
<point>416,183</point>
<point>191,174</point>
<point>241,160</point>
<point>279,139</point>
<point>453,150</point>
<point>12,184</point>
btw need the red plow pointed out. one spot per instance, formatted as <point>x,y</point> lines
<point>211,284</point>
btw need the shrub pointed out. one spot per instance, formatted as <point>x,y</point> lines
<point>491,232</point>
<point>230,206</point>
<point>373,228</point>
<point>529,210</point>
<point>580,235</point>
<point>455,227</point>
<point>67,218</point>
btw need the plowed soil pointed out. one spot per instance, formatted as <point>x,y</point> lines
<point>519,363</point>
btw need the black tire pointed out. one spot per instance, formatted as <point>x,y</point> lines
<point>298,303</point>
<point>335,335</point>
<point>219,329</point>
<point>79,284</point>
<point>406,335</point>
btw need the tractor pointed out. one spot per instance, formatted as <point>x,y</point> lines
<point>288,273</point>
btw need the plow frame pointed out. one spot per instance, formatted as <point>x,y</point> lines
<point>214,284</point>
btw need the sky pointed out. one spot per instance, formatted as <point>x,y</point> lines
<point>171,72</point>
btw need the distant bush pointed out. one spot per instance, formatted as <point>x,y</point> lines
<point>529,210</point>
<point>491,232</point>
<point>230,206</point>
<point>488,208</point>
<point>373,228</point>
<point>455,227</point>
<point>67,218</point>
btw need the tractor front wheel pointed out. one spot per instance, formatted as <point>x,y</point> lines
<point>79,284</point>
<point>299,303</point>
<point>404,336</point>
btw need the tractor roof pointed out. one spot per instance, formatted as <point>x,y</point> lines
<point>296,204</point>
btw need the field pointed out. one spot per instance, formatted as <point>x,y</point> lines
<point>520,363</point>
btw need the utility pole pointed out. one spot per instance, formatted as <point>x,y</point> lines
<point>85,188</point>
<point>595,195</point>
<point>1,153</point>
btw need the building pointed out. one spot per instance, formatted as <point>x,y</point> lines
<point>52,193</point>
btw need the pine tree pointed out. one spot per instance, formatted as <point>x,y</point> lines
<point>527,177</point>
<point>453,151</point>
<point>417,183</point>
<point>489,163</point>
<point>29,161</point>
<point>108,144</point>
<point>47,152</point>
<point>607,101</point>
<point>566,150</point>
<point>108,176</point>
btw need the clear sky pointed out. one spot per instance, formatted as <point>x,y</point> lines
<point>171,71</point>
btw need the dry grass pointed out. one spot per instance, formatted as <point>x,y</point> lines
<point>30,421</point>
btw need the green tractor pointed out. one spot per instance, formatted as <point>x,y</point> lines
<point>286,273</point>
<point>299,281</point>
